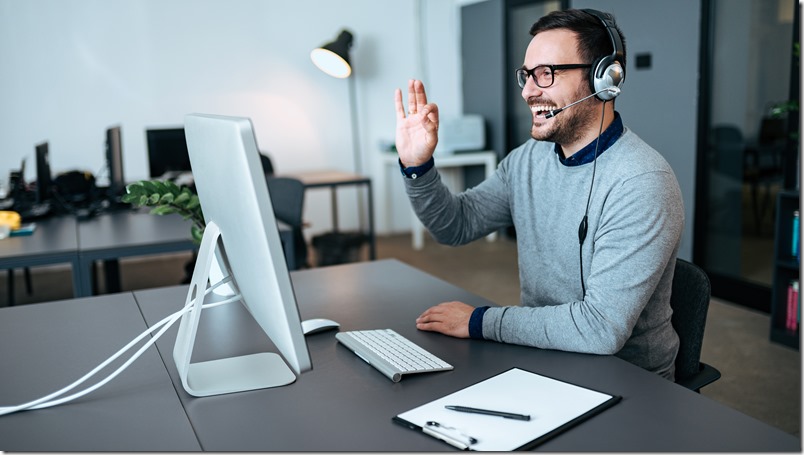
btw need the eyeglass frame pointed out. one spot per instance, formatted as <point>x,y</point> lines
<point>553,68</point>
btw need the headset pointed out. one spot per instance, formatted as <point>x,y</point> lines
<point>607,71</point>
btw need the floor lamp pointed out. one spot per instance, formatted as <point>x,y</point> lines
<point>333,59</point>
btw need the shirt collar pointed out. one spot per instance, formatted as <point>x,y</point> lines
<point>587,154</point>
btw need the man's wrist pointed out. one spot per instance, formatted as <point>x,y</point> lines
<point>414,172</point>
<point>476,323</point>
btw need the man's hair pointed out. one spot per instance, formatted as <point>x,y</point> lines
<point>593,38</point>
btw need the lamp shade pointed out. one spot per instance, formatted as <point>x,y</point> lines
<point>333,58</point>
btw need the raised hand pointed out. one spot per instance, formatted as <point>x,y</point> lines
<point>416,132</point>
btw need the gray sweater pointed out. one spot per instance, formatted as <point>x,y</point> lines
<point>636,216</point>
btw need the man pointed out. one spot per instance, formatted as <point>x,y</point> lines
<point>611,294</point>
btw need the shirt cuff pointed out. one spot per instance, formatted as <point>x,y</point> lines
<point>414,172</point>
<point>476,323</point>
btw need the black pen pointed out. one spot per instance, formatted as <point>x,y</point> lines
<point>507,415</point>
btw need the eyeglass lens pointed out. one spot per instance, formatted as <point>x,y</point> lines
<point>543,76</point>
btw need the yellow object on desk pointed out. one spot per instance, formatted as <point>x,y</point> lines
<point>11,219</point>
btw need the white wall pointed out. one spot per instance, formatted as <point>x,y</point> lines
<point>71,68</point>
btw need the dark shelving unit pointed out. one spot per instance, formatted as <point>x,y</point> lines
<point>785,269</point>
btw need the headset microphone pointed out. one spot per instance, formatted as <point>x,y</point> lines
<point>612,90</point>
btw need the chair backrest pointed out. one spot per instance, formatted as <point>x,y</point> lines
<point>690,303</point>
<point>287,197</point>
<point>267,165</point>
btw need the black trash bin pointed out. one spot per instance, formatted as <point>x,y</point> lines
<point>338,247</point>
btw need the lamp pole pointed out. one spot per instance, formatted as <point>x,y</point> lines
<point>358,154</point>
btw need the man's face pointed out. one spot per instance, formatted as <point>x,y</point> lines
<point>556,47</point>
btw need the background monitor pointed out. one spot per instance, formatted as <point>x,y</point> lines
<point>44,180</point>
<point>234,196</point>
<point>167,151</point>
<point>114,161</point>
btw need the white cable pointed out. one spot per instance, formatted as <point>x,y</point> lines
<point>165,323</point>
<point>173,318</point>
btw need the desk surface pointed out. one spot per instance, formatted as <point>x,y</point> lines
<point>47,346</point>
<point>347,405</point>
<point>322,178</point>
<point>343,404</point>
<point>54,240</point>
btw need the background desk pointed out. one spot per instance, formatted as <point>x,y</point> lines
<point>333,179</point>
<point>343,404</point>
<point>108,237</point>
<point>116,235</point>
<point>54,241</point>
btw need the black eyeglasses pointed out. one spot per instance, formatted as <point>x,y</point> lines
<point>544,75</point>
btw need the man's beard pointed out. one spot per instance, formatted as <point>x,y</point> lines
<point>568,126</point>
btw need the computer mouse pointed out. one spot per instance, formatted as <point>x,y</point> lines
<point>311,326</point>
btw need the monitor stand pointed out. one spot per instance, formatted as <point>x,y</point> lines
<point>228,375</point>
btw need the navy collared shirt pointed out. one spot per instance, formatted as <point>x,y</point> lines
<point>587,154</point>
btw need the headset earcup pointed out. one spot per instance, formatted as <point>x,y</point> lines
<point>607,73</point>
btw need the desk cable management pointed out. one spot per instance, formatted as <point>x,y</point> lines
<point>165,324</point>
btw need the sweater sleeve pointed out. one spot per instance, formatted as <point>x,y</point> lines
<point>457,219</point>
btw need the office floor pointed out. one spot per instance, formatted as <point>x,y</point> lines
<point>760,378</point>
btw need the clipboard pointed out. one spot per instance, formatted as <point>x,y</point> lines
<point>554,406</point>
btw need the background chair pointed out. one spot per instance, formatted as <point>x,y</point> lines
<point>287,197</point>
<point>690,303</point>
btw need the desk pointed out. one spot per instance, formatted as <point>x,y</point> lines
<point>116,235</point>
<point>343,404</point>
<point>55,241</point>
<point>333,179</point>
<point>108,236</point>
<point>46,346</point>
<point>487,158</point>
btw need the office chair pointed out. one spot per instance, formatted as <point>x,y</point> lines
<point>267,164</point>
<point>690,302</point>
<point>287,197</point>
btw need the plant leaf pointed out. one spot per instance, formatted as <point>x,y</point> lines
<point>196,233</point>
<point>135,189</point>
<point>149,186</point>
<point>173,188</point>
<point>194,202</point>
<point>166,198</point>
<point>163,210</point>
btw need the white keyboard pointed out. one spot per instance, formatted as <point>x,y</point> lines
<point>391,353</point>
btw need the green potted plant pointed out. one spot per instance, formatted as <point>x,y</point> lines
<point>166,197</point>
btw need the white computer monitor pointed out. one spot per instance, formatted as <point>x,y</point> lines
<point>242,238</point>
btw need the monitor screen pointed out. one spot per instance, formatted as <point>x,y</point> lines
<point>44,180</point>
<point>114,161</point>
<point>234,197</point>
<point>167,151</point>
